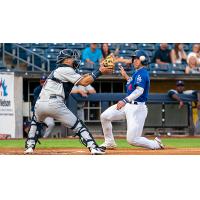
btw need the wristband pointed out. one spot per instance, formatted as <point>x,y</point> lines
<point>125,100</point>
<point>96,74</point>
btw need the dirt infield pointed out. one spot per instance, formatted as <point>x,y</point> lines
<point>118,151</point>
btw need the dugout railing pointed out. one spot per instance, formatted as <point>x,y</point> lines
<point>163,112</point>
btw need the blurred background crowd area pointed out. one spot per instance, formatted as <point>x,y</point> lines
<point>165,58</point>
<point>168,63</point>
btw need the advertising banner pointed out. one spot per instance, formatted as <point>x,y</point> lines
<point>7,107</point>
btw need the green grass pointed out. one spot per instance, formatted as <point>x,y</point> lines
<point>67,143</point>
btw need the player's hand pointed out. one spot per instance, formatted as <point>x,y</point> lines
<point>198,105</point>
<point>120,105</point>
<point>105,70</point>
<point>123,73</point>
<point>84,94</point>
<point>89,61</point>
<point>181,104</point>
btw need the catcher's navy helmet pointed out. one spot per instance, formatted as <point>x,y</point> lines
<point>140,54</point>
<point>69,53</point>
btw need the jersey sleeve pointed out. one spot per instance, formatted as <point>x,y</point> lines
<point>36,92</point>
<point>140,80</point>
<point>89,87</point>
<point>190,92</point>
<point>171,92</point>
<point>68,74</point>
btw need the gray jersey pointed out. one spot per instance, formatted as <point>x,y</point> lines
<point>188,92</point>
<point>64,74</point>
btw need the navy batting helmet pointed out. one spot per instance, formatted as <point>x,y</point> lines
<point>43,78</point>
<point>69,53</point>
<point>140,54</point>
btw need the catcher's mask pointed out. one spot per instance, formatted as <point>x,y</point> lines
<point>70,53</point>
<point>142,56</point>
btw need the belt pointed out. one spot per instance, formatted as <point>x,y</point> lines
<point>53,97</point>
<point>137,103</point>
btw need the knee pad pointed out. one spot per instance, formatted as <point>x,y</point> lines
<point>32,141</point>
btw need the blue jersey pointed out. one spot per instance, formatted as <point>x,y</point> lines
<point>139,78</point>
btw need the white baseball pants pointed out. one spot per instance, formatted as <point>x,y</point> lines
<point>49,121</point>
<point>135,116</point>
<point>55,109</point>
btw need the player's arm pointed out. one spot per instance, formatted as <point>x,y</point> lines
<point>173,56</point>
<point>134,95</point>
<point>123,73</point>
<point>159,62</point>
<point>173,94</point>
<point>187,70</point>
<point>79,90</point>
<point>90,89</point>
<point>123,60</point>
<point>90,78</point>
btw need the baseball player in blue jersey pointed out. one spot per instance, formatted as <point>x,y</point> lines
<point>51,102</point>
<point>132,108</point>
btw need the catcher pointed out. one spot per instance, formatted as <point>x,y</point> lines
<point>53,95</point>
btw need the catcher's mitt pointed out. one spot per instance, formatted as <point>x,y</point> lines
<point>109,62</point>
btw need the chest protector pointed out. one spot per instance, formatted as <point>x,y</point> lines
<point>67,86</point>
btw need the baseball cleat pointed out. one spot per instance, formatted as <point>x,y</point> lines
<point>108,145</point>
<point>28,151</point>
<point>97,151</point>
<point>158,140</point>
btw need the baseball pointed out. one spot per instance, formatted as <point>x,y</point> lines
<point>169,134</point>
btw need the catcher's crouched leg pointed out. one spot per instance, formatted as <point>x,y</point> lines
<point>86,138</point>
<point>33,136</point>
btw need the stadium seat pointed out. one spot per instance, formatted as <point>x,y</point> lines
<point>25,45</point>
<point>112,46</point>
<point>38,51</point>
<point>53,64</point>
<point>39,45</point>
<point>165,68</point>
<point>52,51</point>
<point>78,46</point>
<point>21,53</point>
<point>127,68</point>
<point>128,46</point>
<point>178,68</point>
<point>8,47</point>
<point>57,45</point>
<point>125,53</point>
<point>147,46</point>
<point>186,47</point>
<point>190,46</point>
<point>86,69</point>
<point>52,60</point>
